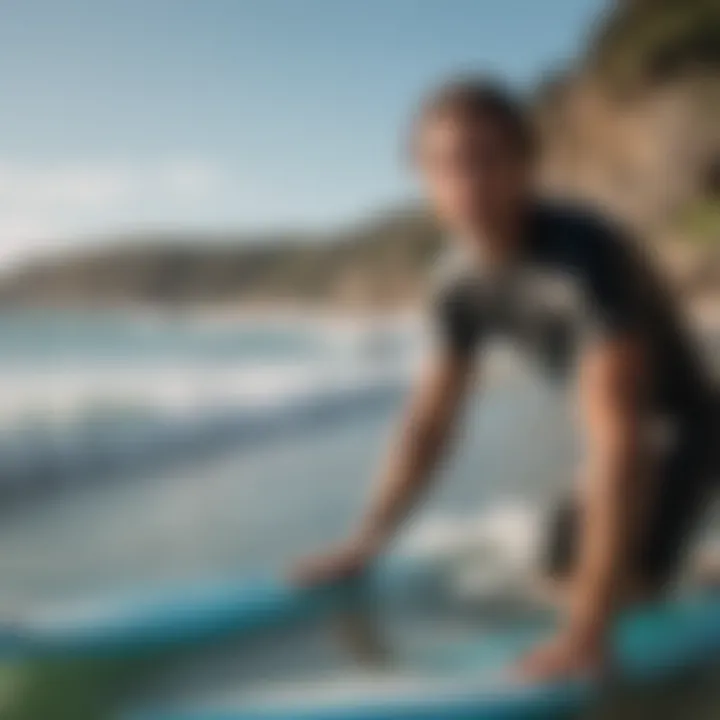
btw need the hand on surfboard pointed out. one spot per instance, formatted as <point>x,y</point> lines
<point>566,655</point>
<point>340,563</point>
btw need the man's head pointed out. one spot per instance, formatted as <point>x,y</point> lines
<point>474,148</point>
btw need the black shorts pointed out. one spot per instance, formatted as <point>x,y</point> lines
<point>685,479</point>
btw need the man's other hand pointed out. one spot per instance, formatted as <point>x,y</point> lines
<point>341,563</point>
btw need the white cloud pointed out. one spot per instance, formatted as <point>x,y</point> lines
<point>43,204</point>
<point>21,237</point>
<point>189,179</point>
<point>31,187</point>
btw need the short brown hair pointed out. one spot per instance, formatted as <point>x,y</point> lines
<point>477,98</point>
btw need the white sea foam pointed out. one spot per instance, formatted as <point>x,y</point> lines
<point>58,419</point>
<point>487,554</point>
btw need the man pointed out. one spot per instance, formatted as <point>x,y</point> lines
<point>582,302</point>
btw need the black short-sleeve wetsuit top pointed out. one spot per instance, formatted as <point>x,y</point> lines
<point>577,279</point>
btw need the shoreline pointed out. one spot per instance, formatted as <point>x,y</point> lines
<point>280,315</point>
<point>703,313</point>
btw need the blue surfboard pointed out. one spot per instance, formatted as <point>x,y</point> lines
<point>462,678</point>
<point>651,646</point>
<point>186,615</point>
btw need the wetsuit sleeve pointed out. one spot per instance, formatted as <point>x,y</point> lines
<point>455,323</point>
<point>616,282</point>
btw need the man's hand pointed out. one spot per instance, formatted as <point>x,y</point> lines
<point>566,655</point>
<point>341,563</point>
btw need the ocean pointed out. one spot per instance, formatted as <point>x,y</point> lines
<point>140,451</point>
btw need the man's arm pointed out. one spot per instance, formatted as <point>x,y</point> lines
<point>611,395</point>
<point>426,427</point>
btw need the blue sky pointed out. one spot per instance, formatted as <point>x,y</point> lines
<point>161,114</point>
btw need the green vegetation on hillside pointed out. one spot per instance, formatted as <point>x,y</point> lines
<point>645,41</point>
<point>700,222</point>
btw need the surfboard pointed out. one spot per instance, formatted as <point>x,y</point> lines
<point>464,677</point>
<point>651,645</point>
<point>183,615</point>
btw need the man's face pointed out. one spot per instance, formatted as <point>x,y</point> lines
<point>475,177</point>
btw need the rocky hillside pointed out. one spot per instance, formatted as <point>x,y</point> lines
<point>380,263</point>
<point>636,127</point>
